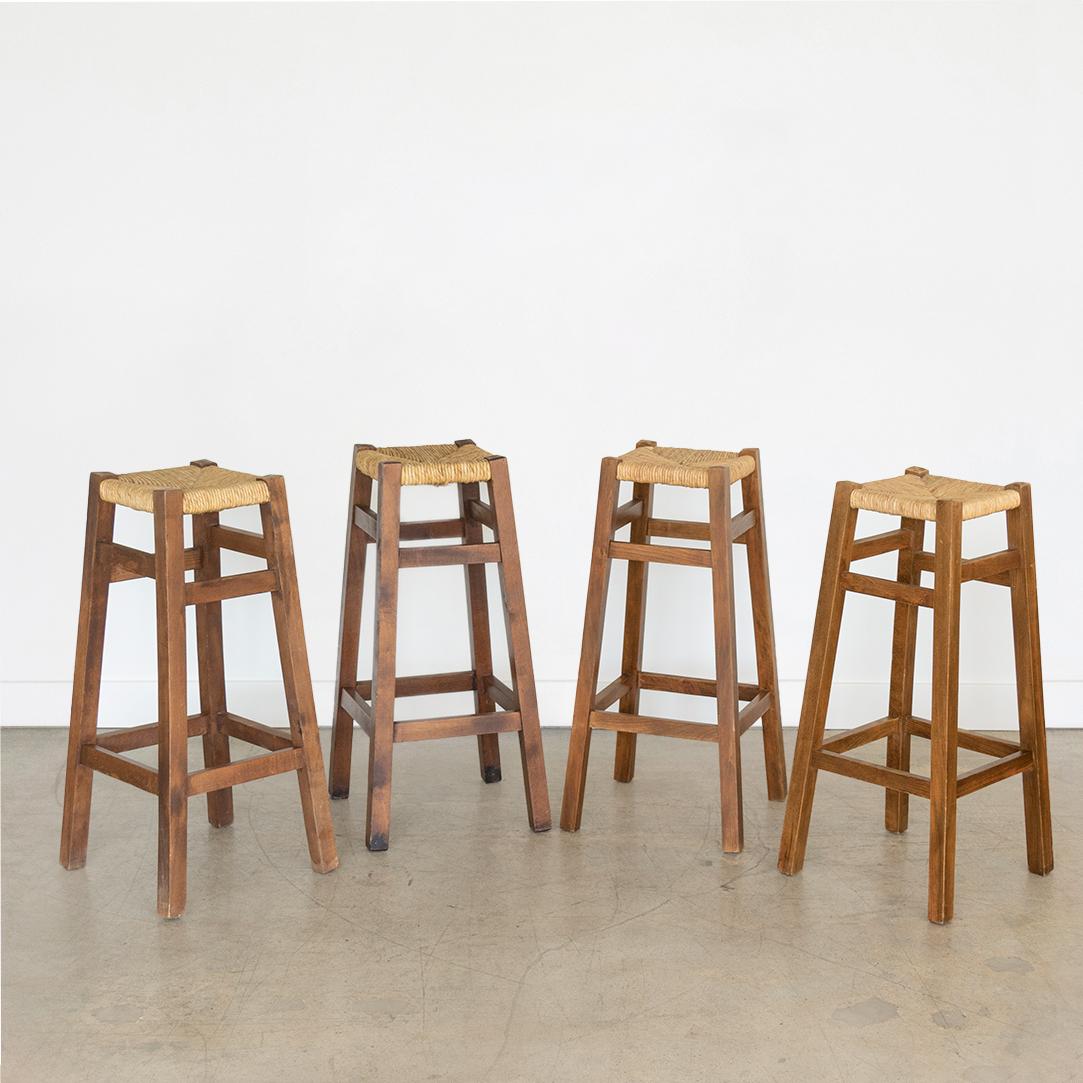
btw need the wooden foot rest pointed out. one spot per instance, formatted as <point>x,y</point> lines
<point>1011,759</point>
<point>668,727</point>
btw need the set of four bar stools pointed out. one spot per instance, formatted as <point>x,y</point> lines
<point>203,490</point>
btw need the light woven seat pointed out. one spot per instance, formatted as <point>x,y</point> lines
<point>206,488</point>
<point>914,496</point>
<point>680,465</point>
<point>429,464</point>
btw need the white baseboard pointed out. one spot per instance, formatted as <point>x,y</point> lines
<point>131,703</point>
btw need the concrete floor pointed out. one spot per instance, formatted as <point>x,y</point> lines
<point>474,950</point>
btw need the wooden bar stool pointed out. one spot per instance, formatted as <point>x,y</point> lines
<point>715,471</point>
<point>919,497</point>
<point>201,490</point>
<point>372,703</point>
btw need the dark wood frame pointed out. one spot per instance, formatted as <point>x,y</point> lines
<point>498,708</point>
<point>174,782</point>
<point>1014,568</point>
<point>722,531</point>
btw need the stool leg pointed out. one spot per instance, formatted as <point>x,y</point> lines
<point>635,616</point>
<point>821,666</point>
<point>901,693</point>
<point>575,777</point>
<point>481,649</point>
<point>212,674</point>
<point>944,736</point>
<point>725,647</point>
<point>86,686</point>
<point>296,679</point>
<point>172,703</point>
<point>378,811</point>
<point>763,623</point>
<point>349,630</point>
<point>522,666</point>
<point>1028,669</point>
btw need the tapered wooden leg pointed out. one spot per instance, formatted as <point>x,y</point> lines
<point>725,647</point>
<point>296,678</point>
<point>575,777</point>
<point>1028,670</point>
<point>763,624</point>
<point>635,617</point>
<point>349,629</point>
<point>172,703</point>
<point>378,813</point>
<point>481,650</point>
<point>825,640</point>
<point>75,825</point>
<point>522,666</point>
<point>944,737</point>
<point>901,692</point>
<point>212,674</point>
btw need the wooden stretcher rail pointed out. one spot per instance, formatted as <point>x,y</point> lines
<point>439,556</point>
<point>255,733</point>
<point>627,513</point>
<point>613,691</point>
<point>365,521</point>
<point>752,712</point>
<point>861,735</point>
<point>660,554</point>
<point>501,694</point>
<point>120,767</point>
<point>233,774</point>
<point>875,544</point>
<point>429,529</point>
<point>128,563</point>
<point>426,684</point>
<point>238,541</point>
<point>990,568</point>
<point>691,686</point>
<point>465,725</point>
<point>144,736</point>
<point>480,512</point>
<point>888,777</point>
<point>657,727</point>
<point>205,591</point>
<point>888,588</point>
<point>972,742</point>
<point>980,777</point>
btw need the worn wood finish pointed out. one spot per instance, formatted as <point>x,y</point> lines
<point>1028,674</point>
<point>825,638</point>
<point>477,607</point>
<point>618,688</point>
<point>825,760</point>
<point>725,645</point>
<point>255,733</point>
<point>211,666</point>
<point>86,684</point>
<point>522,665</point>
<point>237,540</point>
<point>431,529</point>
<point>900,704</point>
<point>213,779</point>
<point>635,619</point>
<point>763,626</point>
<point>378,811</point>
<point>349,629</point>
<point>944,735</point>
<point>575,773</point>
<point>979,777</point>
<point>122,768</point>
<point>296,678</point>
<point>144,736</point>
<point>172,703</point>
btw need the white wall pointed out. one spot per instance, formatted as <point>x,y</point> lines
<point>848,234</point>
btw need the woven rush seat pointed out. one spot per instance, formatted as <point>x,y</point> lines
<point>914,496</point>
<point>680,466</point>
<point>429,464</point>
<point>206,488</point>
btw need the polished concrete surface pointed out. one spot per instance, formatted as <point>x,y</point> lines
<point>474,950</point>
